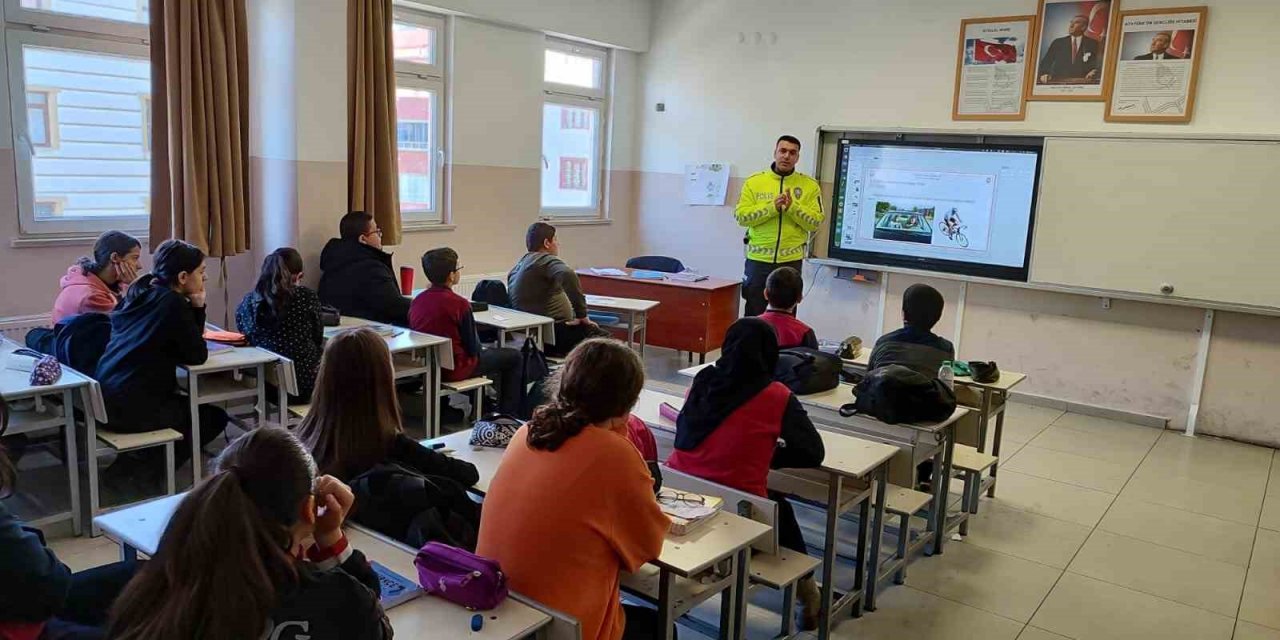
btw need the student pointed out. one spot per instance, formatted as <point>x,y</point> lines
<point>737,423</point>
<point>784,290</point>
<point>159,327</point>
<point>356,274</point>
<point>39,596</point>
<point>283,316</point>
<point>572,505</point>
<point>354,421</point>
<point>95,284</point>
<point>915,346</point>
<point>543,284</point>
<point>230,563</point>
<point>439,311</point>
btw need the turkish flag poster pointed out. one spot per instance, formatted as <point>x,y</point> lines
<point>1071,49</point>
<point>991,68</point>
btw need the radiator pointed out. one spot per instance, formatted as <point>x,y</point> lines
<point>15,328</point>
<point>469,282</point>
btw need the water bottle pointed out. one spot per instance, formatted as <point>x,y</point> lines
<point>947,376</point>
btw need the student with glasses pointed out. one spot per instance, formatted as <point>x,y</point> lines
<point>356,275</point>
<point>738,423</point>
<point>441,312</point>
<point>572,506</point>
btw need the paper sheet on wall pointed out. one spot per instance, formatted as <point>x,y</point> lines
<point>706,183</point>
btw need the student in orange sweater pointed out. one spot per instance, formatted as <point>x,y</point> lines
<point>784,290</point>
<point>572,504</point>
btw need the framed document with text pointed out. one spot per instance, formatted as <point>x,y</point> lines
<point>1070,50</point>
<point>1156,65</point>
<point>991,68</point>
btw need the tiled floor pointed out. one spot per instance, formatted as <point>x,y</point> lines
<point>1099,529</point>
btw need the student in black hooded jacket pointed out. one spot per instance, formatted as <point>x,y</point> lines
<point>356,274</point>
<point>159,327</point>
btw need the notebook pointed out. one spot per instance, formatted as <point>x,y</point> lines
<point>687,277</point>
<point>608,271</point>
<point>396,589</point>
<point>642,274</point>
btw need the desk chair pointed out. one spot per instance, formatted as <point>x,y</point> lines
<point>665,264</point>
<point>122,442</point>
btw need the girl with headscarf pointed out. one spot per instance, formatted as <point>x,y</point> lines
<point>737,423</point>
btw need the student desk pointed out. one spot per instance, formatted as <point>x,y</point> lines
<point>921,442</point>
<point>139,528</point>
<point>485,459</point>
<point>692,316</point>
<point>205,385</point>
<point>413,354</point>
<point>636,311</point>
<point>15,385</point>
<point>993,399</point>
<point>848,458</point>
<point>726,536</point>
<point>512,321</point>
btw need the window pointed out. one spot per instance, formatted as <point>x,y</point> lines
<point>416,41</point>
<point>80,85</point>
<point>42,121</point>
<point>574,110</point>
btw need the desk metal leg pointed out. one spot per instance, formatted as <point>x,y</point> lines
<point>431,389</point>
<point>829,556</point>
<point>948,451</point>
<point>91,454</point>
<point>741,580</point>
<point>877,529</point>
<point>938,508</point>
<point>284,396</point>
<point>73,463</point>
<point>995,444</point>
<point>197,452</point>
<point>666,621</point>
<point>859,583</point>
<point>261,371</point>
<point>984,408</point>
<point>128,554</point>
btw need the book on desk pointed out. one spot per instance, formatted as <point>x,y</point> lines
<point>687,511</point>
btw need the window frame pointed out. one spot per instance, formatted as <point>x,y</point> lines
<point>50,108</point>
<point>426,77</point>
<point>28,223</point>
<point>14,12</point>
<point>564,95</point>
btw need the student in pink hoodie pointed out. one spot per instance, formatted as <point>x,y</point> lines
<point>96,283</point>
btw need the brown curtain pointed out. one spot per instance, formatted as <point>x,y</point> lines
<point>372,173</point>
<point>200,124</point>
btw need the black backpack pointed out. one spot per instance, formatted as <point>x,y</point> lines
<point>806,371</point>
<point>895,394</point>
<point>77,341</point>
<point>415,508</point>
<point>534,371</point>
<point>494,294</point>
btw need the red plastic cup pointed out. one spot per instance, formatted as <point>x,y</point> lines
<point>406,280</point>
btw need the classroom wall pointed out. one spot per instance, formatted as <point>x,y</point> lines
<point>735,74</point>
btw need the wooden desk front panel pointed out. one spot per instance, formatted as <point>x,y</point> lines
<point>691,319</point>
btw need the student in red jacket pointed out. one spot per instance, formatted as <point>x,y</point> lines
<point>737,423</point>
<point>439,311</point>
<point>784,290</point>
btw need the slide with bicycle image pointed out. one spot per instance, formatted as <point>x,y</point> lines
<point>945,211</point>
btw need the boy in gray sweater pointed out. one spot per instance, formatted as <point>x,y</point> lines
<point>541,283</point>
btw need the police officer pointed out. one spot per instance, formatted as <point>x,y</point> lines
<point>779,208</point>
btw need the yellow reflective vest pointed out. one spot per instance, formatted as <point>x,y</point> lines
<point>774,236</point>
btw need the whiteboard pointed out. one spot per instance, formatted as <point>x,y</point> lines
<point>1130,215</point>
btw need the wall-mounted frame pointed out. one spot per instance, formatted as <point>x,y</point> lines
<point>1070,48</point>
<point>992,69</point>
<point>1155,65</point>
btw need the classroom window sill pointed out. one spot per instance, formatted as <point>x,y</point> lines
<point>32,242</point>
<point>575,222</point>
<point>423,227</point>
